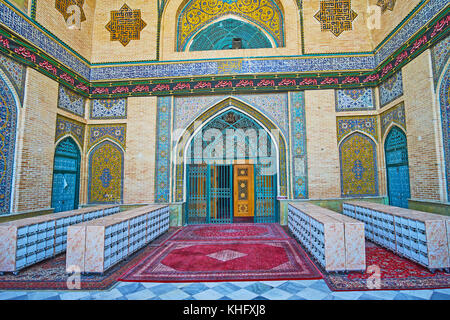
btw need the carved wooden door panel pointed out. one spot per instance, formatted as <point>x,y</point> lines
<point>244,196</point>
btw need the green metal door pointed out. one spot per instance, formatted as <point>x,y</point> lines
<point>266,210</point>
<point>209,194</point>
<point>66,176</point>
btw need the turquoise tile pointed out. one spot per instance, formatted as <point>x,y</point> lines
<point>440,296</point>
<point>277,294</point>
<point>291,286</point>
<point>242,294</point>
<point>258,287</point>
<point>130,288</point>
<point>194,288</point>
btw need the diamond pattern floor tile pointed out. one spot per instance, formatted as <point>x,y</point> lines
<point>209,294</point>
<point>277,294</point>
<point>242,294</point>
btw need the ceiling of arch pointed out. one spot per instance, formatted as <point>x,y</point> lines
<point>195,14</point>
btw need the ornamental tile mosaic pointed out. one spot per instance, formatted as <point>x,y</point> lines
<point>108,109</point>
<point>444,98</point>
<point>63,6</point>
<point>249,111</point>
<point>366,124</point>
<point>394,115</point>
<point>106,163</point>
<point>163,142</point>
<point>71,101</point>
<point>386,5</point>
<point>51,46</point>
<point>8,120</point>
<point>125,25</point>
<point>15,72</point>
<point>273,105</point>
<point>440,54</point>
<point>196,14</point>
<point>426,12</point>
<point>115,132</point>
<point>391,89</point>
<point>298,145</point>
<point>66,126</point>
<point>336,16</point>
<point>358,166</point>
<point>18,24</point>
<point>355,99</point>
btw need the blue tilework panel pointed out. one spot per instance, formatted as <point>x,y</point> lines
<point>15,72</point>
<point>108,109</point>
<point>65,126</point>
<point>163,139</point>
<point>272,105</point>
<point>444,97</point>
<point>440,54</point>
<point>393,115</point>
<point>299,153</point>
<point>70,101</point>
<point>366,124</point>
<point>8,120</point>
<point>355,99</point>
<point>430,9</point>
<point>114,132</point>
<point>391,89</point>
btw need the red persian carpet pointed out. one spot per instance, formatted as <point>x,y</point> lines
<point>387,271</point>
<point>51,274</point>
<point>237,231</point>
<point>235,260</point>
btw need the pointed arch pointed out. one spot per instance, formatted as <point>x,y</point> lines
<point>179,151</point>
<point>105,173</point>
<point>66,175</point>
<point>219,35</point>
<point>444,102</point>
<point>358,162</point>
<point>193,15</point>
<point>9,109</point>
<point>397,168</point>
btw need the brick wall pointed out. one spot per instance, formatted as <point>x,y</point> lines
<point>34,167</point>
<point>140,154</point>
<point>323,155</point>
<point>422,122</point>
<point>79,40</point>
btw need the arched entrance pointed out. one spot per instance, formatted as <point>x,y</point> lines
<point>231,171</point>
<point>66,176</point>
<point>9,102</point>
<point>396,150</point>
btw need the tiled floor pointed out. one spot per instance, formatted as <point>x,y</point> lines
<point>263,290</point>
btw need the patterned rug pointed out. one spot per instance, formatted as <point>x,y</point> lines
<point>51,274</point>
<point>387,271</point>
<point>237,231</point>
<point>190,261</point>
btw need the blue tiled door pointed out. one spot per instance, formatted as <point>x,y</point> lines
<point>397,168</point>
<point>66,173</point>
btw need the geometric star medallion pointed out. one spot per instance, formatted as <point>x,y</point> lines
<point>125,25</point>
<point>336,16</point>
<point>386,4</point>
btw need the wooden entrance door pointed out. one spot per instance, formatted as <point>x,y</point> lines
<point>244,197</point>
